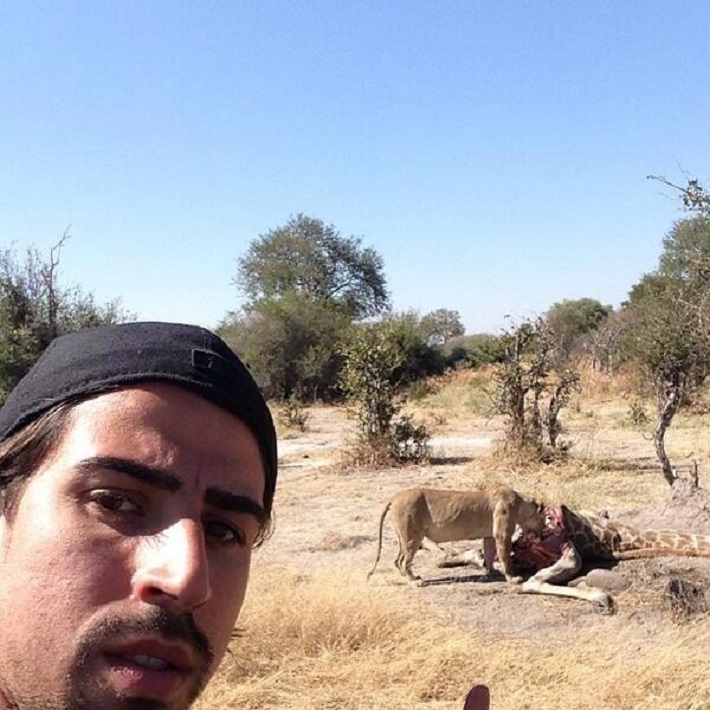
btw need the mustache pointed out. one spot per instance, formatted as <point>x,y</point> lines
<point>155,620</point>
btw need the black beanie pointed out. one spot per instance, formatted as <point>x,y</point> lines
<point>97,359</point>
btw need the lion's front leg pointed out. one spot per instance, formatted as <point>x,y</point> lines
<point>489,554</point>
<point>503,529</point>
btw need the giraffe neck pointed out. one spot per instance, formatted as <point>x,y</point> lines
<point>591,534</point>
<point>656,543</point>
<point>595,536</point>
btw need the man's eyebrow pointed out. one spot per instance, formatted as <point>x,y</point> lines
<point>158,477</point>
<point>219,498</point>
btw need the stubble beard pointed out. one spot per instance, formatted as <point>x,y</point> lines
<point>84,692</point>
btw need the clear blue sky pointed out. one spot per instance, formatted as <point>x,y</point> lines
<point>494,153</point>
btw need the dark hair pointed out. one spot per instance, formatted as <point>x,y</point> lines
<point>23,452</point>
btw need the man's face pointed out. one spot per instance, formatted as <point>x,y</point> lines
<point>125,565</point>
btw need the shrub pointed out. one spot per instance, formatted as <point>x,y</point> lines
<point>293,415</point>
<point>373,356</point>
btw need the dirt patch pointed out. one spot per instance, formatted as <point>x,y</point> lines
<point>685,508</point>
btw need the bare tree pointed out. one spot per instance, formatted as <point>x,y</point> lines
<point>667,315</point>
<point>35,308</point>
<point>532,388</point>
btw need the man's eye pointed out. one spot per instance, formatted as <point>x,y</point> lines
<point>223,532</point>
<point>115,501</point>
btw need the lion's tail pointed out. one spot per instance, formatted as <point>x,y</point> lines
<point>379,541</point>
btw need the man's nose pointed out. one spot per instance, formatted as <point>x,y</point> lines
<point>172,567</point>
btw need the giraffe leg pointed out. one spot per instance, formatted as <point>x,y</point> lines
<point>600,599</point>
<point>566,568</point>
<point>550,579</point>
<point>472,556</point>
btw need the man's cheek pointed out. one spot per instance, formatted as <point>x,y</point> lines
<point>220,614</point>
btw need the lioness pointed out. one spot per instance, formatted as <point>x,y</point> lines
<point>446,516</point>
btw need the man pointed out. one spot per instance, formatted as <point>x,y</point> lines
<point>137,473</point>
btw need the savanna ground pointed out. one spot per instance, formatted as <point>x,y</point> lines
<point>315,633</point>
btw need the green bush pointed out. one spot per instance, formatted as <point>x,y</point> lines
<point>373,356</point>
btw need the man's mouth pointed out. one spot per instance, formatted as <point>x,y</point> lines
<point>152,662</point>
<point>156,655</point>
<point>152,669</point>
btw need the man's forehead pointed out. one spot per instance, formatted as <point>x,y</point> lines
<point>163,425</point>
<point>151,399</point>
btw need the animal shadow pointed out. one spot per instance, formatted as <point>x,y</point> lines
<point>480,578</point>
<point>449,460</point>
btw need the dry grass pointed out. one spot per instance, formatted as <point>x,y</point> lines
<point>328,642</point>
<point>457,393</point>
<point>599,386</point>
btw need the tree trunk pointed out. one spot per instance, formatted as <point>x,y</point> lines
<point>517,419</point>
<point>666,412</point>
<point>553,410</point>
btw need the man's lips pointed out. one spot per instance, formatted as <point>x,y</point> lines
<point>156,655</point>
<point>153,669</point>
